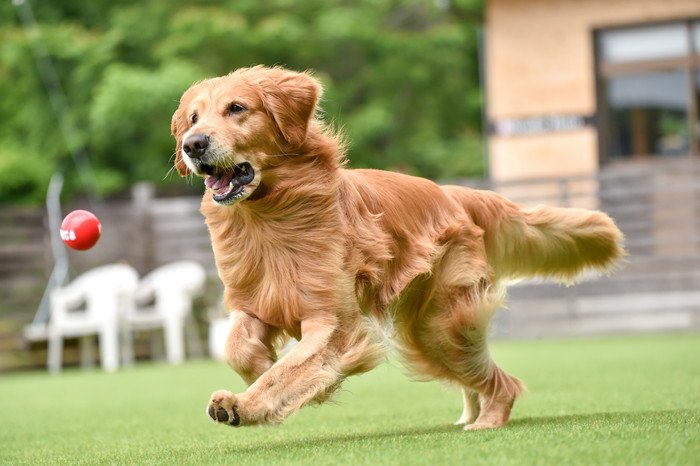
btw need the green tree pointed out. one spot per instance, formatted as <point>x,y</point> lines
<point>401,78</point>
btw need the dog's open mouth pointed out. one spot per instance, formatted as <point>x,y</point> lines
<point>228,186</point>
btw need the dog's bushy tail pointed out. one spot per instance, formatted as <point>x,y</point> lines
<point>557,243</point>
<point>550,242</point>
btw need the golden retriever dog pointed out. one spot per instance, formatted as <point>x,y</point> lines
<point>339,258</point>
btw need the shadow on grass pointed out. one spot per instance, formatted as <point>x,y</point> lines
<point>309,442</point>
<point>593,420</point>
<point>598,418</point>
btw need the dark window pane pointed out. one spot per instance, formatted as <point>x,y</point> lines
<point>648,114</point>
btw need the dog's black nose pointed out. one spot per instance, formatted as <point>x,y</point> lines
<point>195,145</point>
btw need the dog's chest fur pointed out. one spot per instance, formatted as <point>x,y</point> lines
<point>278,267</point>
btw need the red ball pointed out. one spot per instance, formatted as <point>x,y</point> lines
<point>80,230</point>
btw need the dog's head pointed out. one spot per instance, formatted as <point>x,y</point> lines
<point>230,130</point>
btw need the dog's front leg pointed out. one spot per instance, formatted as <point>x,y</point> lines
<point>249,346</point>
<point>308,371</point>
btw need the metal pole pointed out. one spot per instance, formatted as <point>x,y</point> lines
<point>59,274</point>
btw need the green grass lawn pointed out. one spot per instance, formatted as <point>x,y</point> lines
<point>627,400</point>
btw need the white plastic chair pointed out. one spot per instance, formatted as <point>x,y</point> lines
<point>218,333</point>
<point>107,293</point>
<point>171,289</point>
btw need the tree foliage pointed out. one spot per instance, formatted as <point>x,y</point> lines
<point>401,78</point>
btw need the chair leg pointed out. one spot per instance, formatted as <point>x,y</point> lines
<point>109,350</point>
<point>174,341</point>
<point>55,353</point>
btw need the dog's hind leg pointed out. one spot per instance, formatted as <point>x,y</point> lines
<point>447,341</point>
<point>497,390</point>
<point>471,407</point>
<point>474,368</point>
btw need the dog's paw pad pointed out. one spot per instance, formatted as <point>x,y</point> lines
<point>218,415</point>
<point>222,408</point>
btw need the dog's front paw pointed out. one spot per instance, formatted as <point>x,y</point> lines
<point>222,408</point>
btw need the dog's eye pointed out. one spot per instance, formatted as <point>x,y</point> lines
<point>236,108</point>
<point>194,118</point>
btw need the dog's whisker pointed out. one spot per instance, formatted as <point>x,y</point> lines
<point>169,172</point>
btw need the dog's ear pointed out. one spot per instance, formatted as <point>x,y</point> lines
<point>290,99</point>
<point>178,127</point>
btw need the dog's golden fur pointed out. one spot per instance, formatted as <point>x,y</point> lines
<point>333,256</point>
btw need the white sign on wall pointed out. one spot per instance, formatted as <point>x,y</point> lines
<point>539,124</point>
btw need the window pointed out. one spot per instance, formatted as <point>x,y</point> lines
<point>648,90</point>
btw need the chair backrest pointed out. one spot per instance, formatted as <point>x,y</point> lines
<point>107,291</point>
<point>172,286</point>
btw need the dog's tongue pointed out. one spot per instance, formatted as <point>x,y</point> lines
<point>216,183</point>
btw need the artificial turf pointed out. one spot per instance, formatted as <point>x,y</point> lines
<point>631,400</point>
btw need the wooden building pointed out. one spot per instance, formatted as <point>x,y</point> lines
<point>578,86</point>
